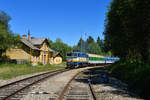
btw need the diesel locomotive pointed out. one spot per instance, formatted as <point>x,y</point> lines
<point>80,59</point>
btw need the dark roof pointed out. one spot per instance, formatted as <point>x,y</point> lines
<point>56,53</point>
<point>49,49</point>
<point>37,41</point>
<point>29,44</point>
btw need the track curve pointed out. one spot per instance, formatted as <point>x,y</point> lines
<point>14,90</point>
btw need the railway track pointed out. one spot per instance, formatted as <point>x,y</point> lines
<point>16,90</point>
<point>79,88</point>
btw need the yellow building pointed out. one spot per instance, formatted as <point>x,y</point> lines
<point>57,58</point>
<point>34,50</point>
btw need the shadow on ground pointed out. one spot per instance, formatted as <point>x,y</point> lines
<point>99,76</point>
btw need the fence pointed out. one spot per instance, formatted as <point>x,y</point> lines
<point>17,61</point>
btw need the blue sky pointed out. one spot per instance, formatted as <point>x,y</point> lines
<point>65,19</point>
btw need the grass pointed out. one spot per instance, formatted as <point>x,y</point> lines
<point>8,71</point>
<point>136,75</point>
<point>62,64</point>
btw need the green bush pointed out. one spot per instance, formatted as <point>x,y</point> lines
<point>39,63</point>
<point>28,64</point>
<point>136,75</point>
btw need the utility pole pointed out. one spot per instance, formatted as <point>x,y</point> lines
<point>83,49</point>
<point>85,43</point>
<point>81,42</point>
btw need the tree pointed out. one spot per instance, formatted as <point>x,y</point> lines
<point>127,32</point>
<point>61,47</point>
<point>58,40</point>
<point>90,40</point>
<point>50,41</point>
<point>88,46</point>
<point>81,45</point>
<point>4,20</point>
<point>99,42</point>
<point>94,48</point>
<point>142,25</point>
<point>7,38</point>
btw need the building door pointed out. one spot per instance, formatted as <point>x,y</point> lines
<point>44,59</point>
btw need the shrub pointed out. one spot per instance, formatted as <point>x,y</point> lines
<point>39,63</point>
<point>28,64</point>
<point>136,75</point>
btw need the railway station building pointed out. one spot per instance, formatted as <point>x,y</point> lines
<point>34,50</point>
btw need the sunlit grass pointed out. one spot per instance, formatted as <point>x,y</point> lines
<point>8,71</point>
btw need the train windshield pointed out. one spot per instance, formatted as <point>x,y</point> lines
<point>71,54</point>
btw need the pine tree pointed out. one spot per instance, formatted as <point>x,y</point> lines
<point>127,32</point>
<point>99,41</point>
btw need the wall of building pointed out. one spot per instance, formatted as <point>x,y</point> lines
<point>17,53</point>
<point>57,60</point>
<point>35,58</point>
<point>51,60</point>
<point>45,55</point>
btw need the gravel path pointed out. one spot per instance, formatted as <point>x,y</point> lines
<point>52,87</point>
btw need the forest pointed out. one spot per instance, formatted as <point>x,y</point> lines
<point>127,35</point>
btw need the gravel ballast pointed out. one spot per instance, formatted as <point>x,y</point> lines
<point>109,88</point>
<point>52,87</point>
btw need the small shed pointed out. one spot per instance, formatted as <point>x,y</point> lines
<point>57,58</point>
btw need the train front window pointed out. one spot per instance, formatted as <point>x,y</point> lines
<point>71,54</point>
<point>74,54</point>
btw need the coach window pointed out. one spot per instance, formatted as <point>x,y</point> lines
<point>79,55</point>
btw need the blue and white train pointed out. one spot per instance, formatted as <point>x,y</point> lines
<point>80,59</point>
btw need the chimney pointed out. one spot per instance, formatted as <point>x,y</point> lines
<point>29,35</point>
<point>24,36</point>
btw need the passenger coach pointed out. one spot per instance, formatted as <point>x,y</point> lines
<point>80,59</point>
